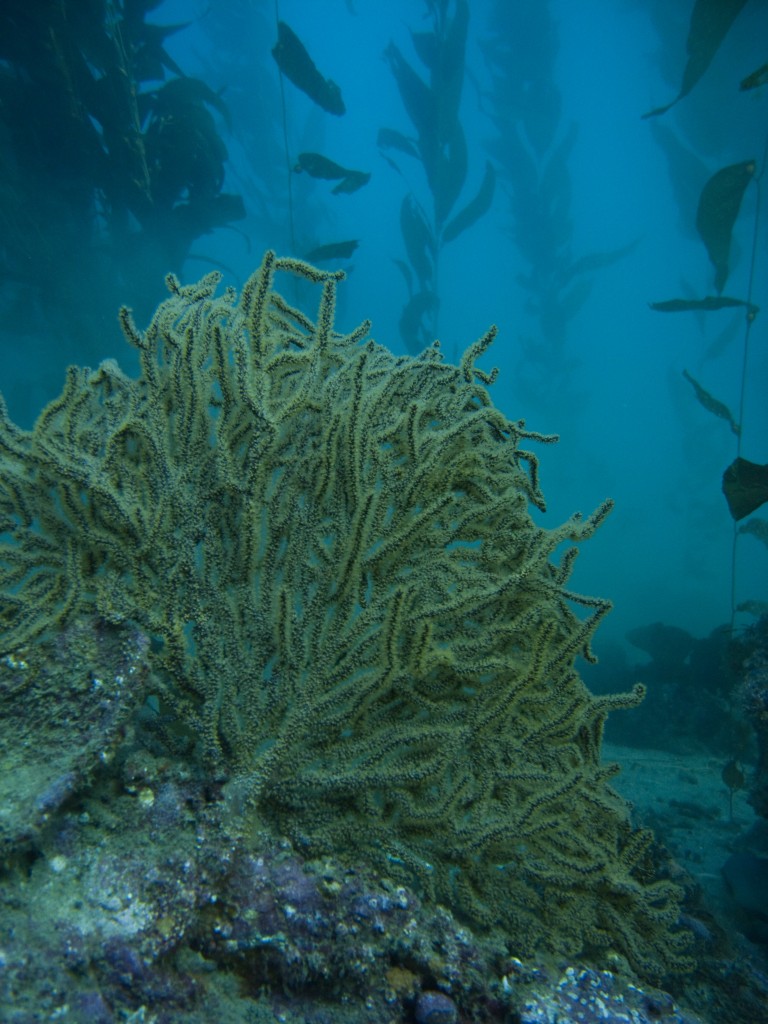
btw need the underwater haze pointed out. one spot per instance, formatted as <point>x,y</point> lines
<point>592,219</point>
<point>309,710</point>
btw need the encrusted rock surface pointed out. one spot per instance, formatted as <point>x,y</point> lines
<point>131,892</point>
<point>138,900</point>
<point>65,705</point>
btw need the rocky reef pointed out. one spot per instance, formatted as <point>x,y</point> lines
<point>746,870</point>
<point>136,897</point>
<point>290,715</point>
<point>754,693</point>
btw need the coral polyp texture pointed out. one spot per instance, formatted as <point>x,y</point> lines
<point>351,609</point>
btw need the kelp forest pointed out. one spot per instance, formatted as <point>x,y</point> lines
<point>464,251</point>
<point>140,137</point>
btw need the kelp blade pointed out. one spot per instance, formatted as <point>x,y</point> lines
<point>712,404</point>
<point>318,166</point>
<point>745,486</point>
<point>719,206</point>
<point>298,67</point>
<point>475,209</point>
<point>756,79</point>
<point>710,21</point>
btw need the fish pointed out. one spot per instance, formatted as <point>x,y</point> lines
<point>332,251</point>
<point>173,96</point>
<point>709,24</point>
<point>756,79</point>
<point>298,67</point>
<point>352,182</point>
<point>745,486</point>
<point>319,166</point>
<point>709,302</point>
<point>390,138</point>
<point>668,646</point>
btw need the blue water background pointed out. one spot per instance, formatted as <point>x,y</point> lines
<point>629,423</point>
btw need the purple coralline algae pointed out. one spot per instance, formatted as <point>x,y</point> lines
<point>588,996</point>
<point>132,894</point>
<point>143,904</point>
<point>435,1008</point>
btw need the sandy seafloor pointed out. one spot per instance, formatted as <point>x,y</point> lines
<point>683,798</point>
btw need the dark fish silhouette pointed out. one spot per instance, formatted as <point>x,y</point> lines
<point>167,100</point>
<point>296,64</point>
<point>756,79</point>
<point>352,182</point>
<point>710,21</point>
<point>390,138</point>
<point>319,166</point>
<point>718,208</point>
<point>745,486</point>
<point>669,646</point>
<point>332,251</point>
<point>710,302</point>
